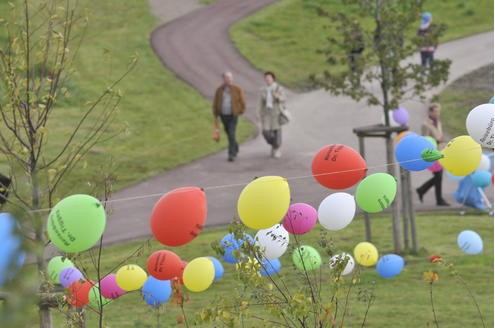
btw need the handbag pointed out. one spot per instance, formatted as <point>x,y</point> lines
<point>284,116</point>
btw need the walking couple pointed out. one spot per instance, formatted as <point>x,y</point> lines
<point>229,104</point>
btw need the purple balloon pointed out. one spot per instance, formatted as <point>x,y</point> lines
<point>400,115</point>
<point>109,288</point>
<point>68,275</point>
<point>300,218</point>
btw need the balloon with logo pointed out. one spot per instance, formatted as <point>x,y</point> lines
<point>470,242</point>
<point>479,124</point>
<point>11,254</point>
<point>130,277</point>
<point>306,258</point>
<point>179,216</point>
<point>109,288</point>
<point>270,267</point>
<point>338,167</point>
<point>344,262</point>
<point>481,179</point>
<point>164,265</point>
<point>232,245</point>
<point>68,275</point>
<point>337,211</point>
<point>400,116</point>
<point>76,223</point>
<point>390,265</point>
<point>366,254</point>
<point>273,242</point>
<point>57,264</point>
<point>217,266</point>
<point>376,192</point>
<point>78,293</point>
<point>199,274</point>
<point>264,202</point>
<point>156,292</point>
<point>97,300</point>
<point>300,218</point>
<point>462,155</point>
<point>409,150</point>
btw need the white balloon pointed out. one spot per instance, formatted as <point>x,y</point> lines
<point>272,241</point>
<point>337,211</point>
<point>484,163</point>
<point>349,267</point>
<point>479,124</point>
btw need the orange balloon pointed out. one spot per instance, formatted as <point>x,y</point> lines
<point>164,265</point>
<point>179,216</point>
<point>400,136</point>
<point>79,292</point>
<point>338,167</point>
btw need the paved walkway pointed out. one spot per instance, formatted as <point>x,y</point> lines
<point>198,48</point>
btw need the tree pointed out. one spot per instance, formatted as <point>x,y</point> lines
<point>36,61</point>
<point>384,31</point>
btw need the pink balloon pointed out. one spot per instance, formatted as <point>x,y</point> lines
<point>109,288</point>
<point>300,218</point>
<point>435,167</point>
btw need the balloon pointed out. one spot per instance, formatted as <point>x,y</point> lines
<point>300,218</point>
<point>109,288</point>
<point>218,267</point>
<point>470,242</point>
<point>454,177</point>
<point>490,101</point>
<point>273,242</point>
<point>164,265</point>
<point>404,134</point>
<point>434,258</point>
<point>366,254</point>
<point>391,120</point>
<point>400,115</point>
<point>76,223</point>
<point>479,124</point>
<point>306,258</point>
<point>181,273</point>
<point>264,202</point>
<point>11,255</point>
<point>156,292</point>
<point>481,179</point>
<point>179,216</point>
<point>390,265</point>
<point>130,277</point>
<point>57,264</point>
<point>68,275</point>
<point>270,267</point>
<point>484,164</point>
<point>199,274</point>
<point>94,298</point>
<point>435,167</point>
<point>78,294</point>
<point>462,156</point>
<point>338,261</point>
<point>376,192</point>
<point>231,245</point>
<point>433,141</point>
<point>409,150</point>
<point>337,211</point>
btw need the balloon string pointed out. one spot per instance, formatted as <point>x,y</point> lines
<point>224,186</point>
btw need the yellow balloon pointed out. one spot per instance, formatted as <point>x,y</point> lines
<point>366,254</point>
<point>462,155</point>
<point>199,274</point>
<point>264,202</point>
<point>130,277</point>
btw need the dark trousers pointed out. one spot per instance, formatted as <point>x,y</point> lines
<point>436,181</point>
<point>273,137</point>
<point>4,185</point>
<point>426,59</point>
<point>230,124</point>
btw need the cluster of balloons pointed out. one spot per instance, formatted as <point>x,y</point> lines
<point>11,254</point>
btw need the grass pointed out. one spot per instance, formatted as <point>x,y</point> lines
<point>284,37</point>
<point>168,122</point>
<point>396,299</point>
<point>463,95</point>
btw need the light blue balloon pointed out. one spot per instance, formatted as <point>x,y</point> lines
<point>11,255</point>
<point>481,178</point>
<point>218,267</point>
<point>156,292</point>
<point>231,245</point>
<point>390,265</point>
<point>470,242</point>
<point>270,267</point>
<point>491,100</point>
<point>408,153</point>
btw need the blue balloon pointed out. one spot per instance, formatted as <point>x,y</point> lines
<point>491,100</point>
<point>11,255</point>
<point>390,265</point>
<point>470,242</point>
<point>481,178</point>
<point>156,292</point>
<point>231,245</point>
<point>408,153</point>
<point>218,267</point>
<point>269,267</point>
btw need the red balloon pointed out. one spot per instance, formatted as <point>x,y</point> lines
<point>334,158</point>
<point>179,216</point>
<point>434,258</point>
<point>179,276</point>
<point>164,265</point>
<point>79,292</point>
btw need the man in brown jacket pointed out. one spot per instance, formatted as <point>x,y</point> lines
<point>228,104</point>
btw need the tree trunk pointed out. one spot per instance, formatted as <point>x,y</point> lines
<point>395,203</point>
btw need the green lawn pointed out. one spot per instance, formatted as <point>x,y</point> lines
<point>285,36</point>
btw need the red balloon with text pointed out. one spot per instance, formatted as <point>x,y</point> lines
<point>164,265</point>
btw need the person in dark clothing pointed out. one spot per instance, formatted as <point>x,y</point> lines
<point>428,43</point>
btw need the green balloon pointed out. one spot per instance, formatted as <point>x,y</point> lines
<point>433,141</point>
<point>57,264</point>
<point>94,297</point>
<point>76,223</point>
<point>306,257</point>
<point>376,192</point>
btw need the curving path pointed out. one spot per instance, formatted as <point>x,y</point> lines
<point>198,48</point>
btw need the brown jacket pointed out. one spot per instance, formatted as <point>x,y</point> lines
<point>238,102</point>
